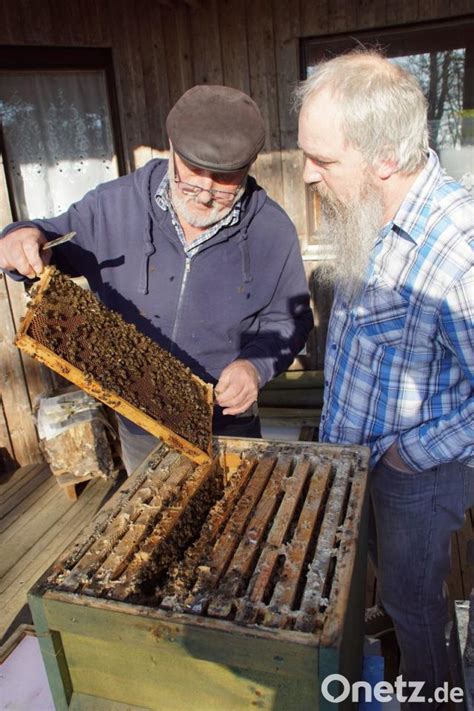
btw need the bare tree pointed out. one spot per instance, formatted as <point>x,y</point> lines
<point>441,76</point>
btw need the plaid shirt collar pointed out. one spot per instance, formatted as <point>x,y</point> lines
<point>163,200</point>
<point>412,215</point>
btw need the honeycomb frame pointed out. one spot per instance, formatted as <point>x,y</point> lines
<point>25,342</point>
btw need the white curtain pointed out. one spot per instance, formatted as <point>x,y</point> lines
<point>57,137</point>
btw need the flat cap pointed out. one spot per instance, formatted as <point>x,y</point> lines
<point>216,128</point>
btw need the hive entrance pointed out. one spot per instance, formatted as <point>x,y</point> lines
<point>68,329</point>
<point>259,547</point>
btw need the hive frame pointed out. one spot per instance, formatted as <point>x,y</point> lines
<point>61,366</point>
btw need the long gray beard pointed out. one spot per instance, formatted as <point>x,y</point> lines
<point>352,229</point>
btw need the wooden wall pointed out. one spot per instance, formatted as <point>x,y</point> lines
<point>159,51</point>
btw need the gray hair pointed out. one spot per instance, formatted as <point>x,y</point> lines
<point>384,112</point>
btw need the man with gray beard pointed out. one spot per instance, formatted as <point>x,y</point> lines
<point>194,253</point>
<point>399,367</point>
<point>352,228</point>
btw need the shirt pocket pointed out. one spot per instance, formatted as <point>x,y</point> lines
<point>380,317</point>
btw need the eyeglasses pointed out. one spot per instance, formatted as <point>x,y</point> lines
<point>222,196</point>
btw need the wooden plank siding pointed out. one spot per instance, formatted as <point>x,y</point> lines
<point>37,522</point>
<point>159,50</point>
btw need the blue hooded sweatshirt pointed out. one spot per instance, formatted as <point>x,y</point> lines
<point>243,295</point>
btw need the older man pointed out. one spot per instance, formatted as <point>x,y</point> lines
<point>400,350</point>
<point>194,253</point>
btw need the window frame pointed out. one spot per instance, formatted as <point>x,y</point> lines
<point>396,40</point>
<point>64,59</point>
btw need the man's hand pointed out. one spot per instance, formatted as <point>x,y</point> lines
<point>394,460</point>
<point>21,250</point>
<point>237,388</point>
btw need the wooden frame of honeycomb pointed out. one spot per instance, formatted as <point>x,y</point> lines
<point>26,342</point>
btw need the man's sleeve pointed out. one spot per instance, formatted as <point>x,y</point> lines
<point>80,218</point>
<point>284,324</point>
<point>450,437</point>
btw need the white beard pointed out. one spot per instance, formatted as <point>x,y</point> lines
<point>183,206</point>
<point>352,228</point>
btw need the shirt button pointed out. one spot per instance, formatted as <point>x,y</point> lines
<point>326,382</point>
<point>344,304</point>
<point>333,346</point>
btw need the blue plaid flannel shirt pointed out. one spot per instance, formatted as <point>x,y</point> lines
<point>400,360</point>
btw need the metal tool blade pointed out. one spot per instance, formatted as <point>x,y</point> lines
<point>59,240</point>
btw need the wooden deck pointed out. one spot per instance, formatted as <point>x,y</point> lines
<point>37,522</point>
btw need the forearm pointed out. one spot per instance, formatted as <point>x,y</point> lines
<point>50,228</point>
<point>284,325</point>
<point>20,242</point>
<point>14,226</point>
<point>449,437</point>
<point>445,439</point>
<point>274,348</point>
<point>21,254</point>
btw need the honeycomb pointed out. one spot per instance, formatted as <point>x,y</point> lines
<point>73,324</point>
<point>271,543</point>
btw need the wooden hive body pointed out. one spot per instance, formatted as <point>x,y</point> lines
<point>234,584</point>
<point>54,326</point>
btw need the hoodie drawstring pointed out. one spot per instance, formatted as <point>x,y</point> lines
<point>244,250</point>
<point>148,250</point>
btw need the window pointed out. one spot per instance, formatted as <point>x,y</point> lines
<point>56,121</point>
<point>441,55</point>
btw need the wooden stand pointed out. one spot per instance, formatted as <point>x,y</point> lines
<point>68,484</point>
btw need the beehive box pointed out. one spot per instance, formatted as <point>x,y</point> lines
<point>68,329</point>
<point>229,585</point>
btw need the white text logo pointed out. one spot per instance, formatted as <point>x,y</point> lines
<point>383,691</point>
